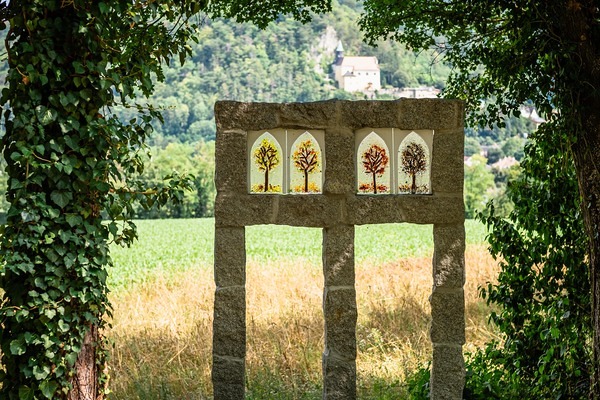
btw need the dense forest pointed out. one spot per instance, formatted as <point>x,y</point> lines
<point>286,62</point>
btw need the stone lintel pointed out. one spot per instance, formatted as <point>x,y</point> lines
<point>406,114</point>
<point>319,211</point>
<point>416,209</point>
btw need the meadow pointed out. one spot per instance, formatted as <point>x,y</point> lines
<point>162,294</point>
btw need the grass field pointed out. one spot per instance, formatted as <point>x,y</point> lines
<point>162,293</point>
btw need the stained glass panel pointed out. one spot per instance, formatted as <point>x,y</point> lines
<point>306,165</point>
<point>373,165</point>
<point>266,165</point>
<point>414,165</point>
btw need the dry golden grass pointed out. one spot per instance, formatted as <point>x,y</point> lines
<point>162,331</point>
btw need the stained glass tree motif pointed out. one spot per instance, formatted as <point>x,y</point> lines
<point>305,164</point>
<point>414,162</point>
<point>266,154</point>
<point>373,174</point>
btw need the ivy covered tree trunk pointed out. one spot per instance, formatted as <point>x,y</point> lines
<point>586,152</point>
<point>55,247</point>
<point>68,164</point>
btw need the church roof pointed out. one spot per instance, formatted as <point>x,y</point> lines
<point>361,63</point>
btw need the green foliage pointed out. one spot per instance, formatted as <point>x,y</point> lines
<point>194,161</point>
<point>479,182</point>
<point>514,147</point>
<point>472,146</point>
<point>543,289</point>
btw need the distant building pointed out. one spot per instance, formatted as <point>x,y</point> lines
<point>356,74</point>
<point>505,162</point>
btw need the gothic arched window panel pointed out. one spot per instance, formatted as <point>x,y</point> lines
<point>373,164</point>
<point>414,163</point>
<point>306,164</point>
<point>266,165</point>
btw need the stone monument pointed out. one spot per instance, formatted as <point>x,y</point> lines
<point>333,165</point>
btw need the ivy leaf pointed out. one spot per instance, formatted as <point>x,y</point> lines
<point>17,347</point>
<point>63,326</point>
<point>61,198</point>
<point>26,393</point>
<point>41,373</point>
<point>74,220</point>
<point>104,9</point>
<point>48,388</point>
<point>71,358</point>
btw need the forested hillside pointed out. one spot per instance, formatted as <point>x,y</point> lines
<point>286,62</point>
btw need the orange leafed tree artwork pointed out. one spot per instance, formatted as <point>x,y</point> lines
<point>266,157</point>
<point>375,160</point>
<point>306,160</point>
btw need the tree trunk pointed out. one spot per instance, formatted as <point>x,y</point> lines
<point>413,188</point>
<point>586,152</point>
<point>374,183</point>
<point>305,181</point>
<point>266,189</point>
<point>85,379</point>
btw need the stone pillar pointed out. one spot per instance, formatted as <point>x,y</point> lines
<point>229,324</point>
<point>447,312</point>
<point>339,309</point>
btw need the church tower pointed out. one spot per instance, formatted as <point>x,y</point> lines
<point>339,54</point>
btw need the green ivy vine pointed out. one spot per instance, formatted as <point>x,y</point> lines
<point>69,163</point>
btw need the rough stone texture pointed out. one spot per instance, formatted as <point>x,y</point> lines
<point>245,209</point>
<point>232,115</point>
<point>447,167</point>
<point>447,373</point>
<point>449,256</point>
<point>228,378</point>
<point>229,324</point>
<point>308,210</point>
<point>338,256</point>
<point>339,175</point>
<point>339,378</point>
<point>339,308</point>
<point>231,169</point>
<point>374,114</point>
<point>318,115</point>
<point>416,209</point>
<point>430,114</point>
<point>230,260</point>
<point>447,316</point>
<point>337,210</point>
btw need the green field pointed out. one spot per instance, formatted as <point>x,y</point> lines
<point>170,246</point>
<point>163,296</point>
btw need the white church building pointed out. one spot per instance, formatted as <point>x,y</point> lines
<point>356,74</point>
